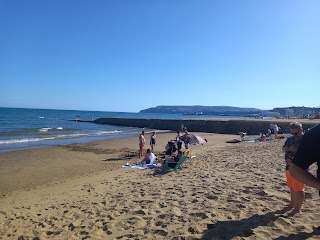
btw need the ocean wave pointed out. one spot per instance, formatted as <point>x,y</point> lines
<point>44,129</point>
<point>107,132</point>
<point>157,131</point>
<point>60,136</point>
<point>24,140</point>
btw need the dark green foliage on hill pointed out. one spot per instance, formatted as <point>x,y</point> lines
<point>209,110</point>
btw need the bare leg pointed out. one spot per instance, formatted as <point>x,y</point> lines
<point>161,161</point>
<point>293,201</point>
<point>299,200</point>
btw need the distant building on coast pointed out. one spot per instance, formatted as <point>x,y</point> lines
<point>298,112</point>
<point>289,113</point>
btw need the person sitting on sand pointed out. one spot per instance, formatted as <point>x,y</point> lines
<point>268,134</point>
<point>262,137</point>
<point>296,187</point>
<point>173,161</point>
<point>242,134</point>
<point>150,158</point>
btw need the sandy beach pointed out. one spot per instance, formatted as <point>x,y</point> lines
<point>80,191</point>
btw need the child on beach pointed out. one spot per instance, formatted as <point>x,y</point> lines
<point>296,187</point>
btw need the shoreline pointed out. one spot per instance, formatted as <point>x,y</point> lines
<point>21,169</point>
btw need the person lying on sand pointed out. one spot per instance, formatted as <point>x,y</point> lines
<point>262,137</point>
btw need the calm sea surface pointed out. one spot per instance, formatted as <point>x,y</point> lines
<point>22,128</point>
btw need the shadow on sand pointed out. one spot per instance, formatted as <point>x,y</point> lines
<point>244,228</point>
<point>301,235</point>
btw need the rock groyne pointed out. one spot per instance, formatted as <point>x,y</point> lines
<point>225,126</point>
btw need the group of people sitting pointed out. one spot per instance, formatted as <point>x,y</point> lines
<point>172,146</point>
<point>151,159</point>
<point>264,135</point>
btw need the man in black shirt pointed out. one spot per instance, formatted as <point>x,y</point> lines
<point>308,153</point>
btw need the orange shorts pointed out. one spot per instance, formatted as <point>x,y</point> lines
<point>294,183</point>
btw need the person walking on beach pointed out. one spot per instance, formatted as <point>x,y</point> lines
<point>296,187</point>
<point>142,142</point>
<point>153,141</point>
<point>308,153</point>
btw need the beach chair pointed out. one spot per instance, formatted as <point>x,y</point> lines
<point>178,165</point>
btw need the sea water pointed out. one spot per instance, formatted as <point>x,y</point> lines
<point>22,128</point>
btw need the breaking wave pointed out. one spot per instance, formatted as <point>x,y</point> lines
<point>59,136</point>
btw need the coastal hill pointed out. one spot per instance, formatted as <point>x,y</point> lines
<point>210,110</point>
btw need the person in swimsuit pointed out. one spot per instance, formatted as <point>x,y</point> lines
<point>142,142</point>
<point>153,141</point>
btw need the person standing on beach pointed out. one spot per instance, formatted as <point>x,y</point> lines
<point>308,153</point>
<point>275,129</point>
<point>142,142</point>
<point>296,187</point>
<point>186,143</point>
<point>178,141</point>
<point>153,139</point>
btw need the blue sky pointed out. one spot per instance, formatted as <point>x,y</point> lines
<point>130,55</point>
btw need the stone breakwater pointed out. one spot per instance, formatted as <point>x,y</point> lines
<point>224,126</point>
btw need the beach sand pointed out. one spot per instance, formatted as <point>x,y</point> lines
<point>80,191</point>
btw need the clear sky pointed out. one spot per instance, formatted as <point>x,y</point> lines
<point>128,55</point>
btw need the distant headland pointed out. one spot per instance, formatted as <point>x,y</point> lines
<point>289,112</point>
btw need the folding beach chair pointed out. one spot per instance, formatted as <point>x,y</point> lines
<point>178,165</point>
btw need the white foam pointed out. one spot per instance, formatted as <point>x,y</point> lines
<point>61,136</point>
<point>107,132</point>
<point>24,140</point>
<point>158,131</point>
<point>44,129</point>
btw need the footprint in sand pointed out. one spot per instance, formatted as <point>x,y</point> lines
<point>199,215</point>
